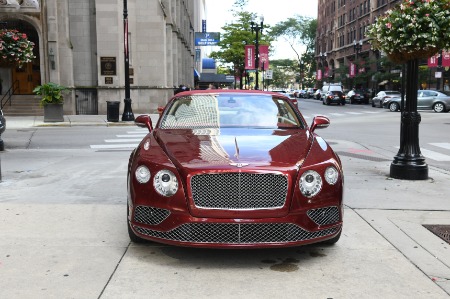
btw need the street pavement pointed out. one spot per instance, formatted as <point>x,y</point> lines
<point>63,235</point>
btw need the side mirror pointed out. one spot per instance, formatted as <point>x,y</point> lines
<point>144,121</point>
<point>319,122</point>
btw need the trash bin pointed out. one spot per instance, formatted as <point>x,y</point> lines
<point>112,111</point>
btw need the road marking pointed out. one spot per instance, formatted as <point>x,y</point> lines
<point>110,146</point>
<point>354,113</point>
<point>123,140</point>
<point>435,155</point>
<point>131,136</point>
<point>337,114</point>
<point>442,145</point>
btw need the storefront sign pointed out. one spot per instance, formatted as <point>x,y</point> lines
<point>108,80</point>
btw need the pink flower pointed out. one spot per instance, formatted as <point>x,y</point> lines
<point>389,25</point>
<point>427,14</point>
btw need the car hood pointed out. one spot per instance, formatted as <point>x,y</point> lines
<point>226,148</point>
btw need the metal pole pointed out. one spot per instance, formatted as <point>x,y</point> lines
<point>127,112</point>
<point>409,164</point>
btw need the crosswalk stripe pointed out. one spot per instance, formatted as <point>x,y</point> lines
<point>123,140</point>
<point>110,146</point>
<point>435,155</point>
<point>131,136</point>
<point>442,145</point>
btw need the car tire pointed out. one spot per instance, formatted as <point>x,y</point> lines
<point>439,107</point>
<point>133,237</point>
<point>393,107</point>
<point>343,103</point>
<point>333,240</point>
<point>381,104</point>
<point>373,103</point>
<point>323,102</point>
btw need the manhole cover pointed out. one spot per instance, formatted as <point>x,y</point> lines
<point>442,231</point>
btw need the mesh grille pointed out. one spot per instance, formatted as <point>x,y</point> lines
<point>324,216</point>
<point>234,233</point>
<point>150,215</point>
<point>239,191</point>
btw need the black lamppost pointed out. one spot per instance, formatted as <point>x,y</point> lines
<point>257,28</point>
<point>357,46</point>
<point>127,112</point>
<point>409,164</point>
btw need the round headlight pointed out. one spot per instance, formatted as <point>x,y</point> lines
<point>165,183</point>
<point>310,183</point>
<point>142,174</point>
<point>331,175</point>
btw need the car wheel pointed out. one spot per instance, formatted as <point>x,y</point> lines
<point>373,103</point>
<point>333,240</point>
<point>439,107</point>
<point>323,102</point>
<point>343,102</point>
<point>133,237</point>
<point>393,106</point>
<point>381,104</point>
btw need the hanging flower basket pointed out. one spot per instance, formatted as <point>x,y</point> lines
<point>413,30</point>
<point>15,47</point>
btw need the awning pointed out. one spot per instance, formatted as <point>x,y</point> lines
<point>196,74</point>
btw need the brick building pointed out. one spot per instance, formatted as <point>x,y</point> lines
<point>342,50</point>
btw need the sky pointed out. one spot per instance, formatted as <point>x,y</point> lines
<point>218,14</point>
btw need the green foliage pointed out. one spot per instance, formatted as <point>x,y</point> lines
<point>51,93</point>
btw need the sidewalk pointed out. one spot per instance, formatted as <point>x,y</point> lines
<point>18,122</point>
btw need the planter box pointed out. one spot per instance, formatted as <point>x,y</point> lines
<point>53,113</point>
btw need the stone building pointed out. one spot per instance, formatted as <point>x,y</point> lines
<point>80,44</point>
<point>341,43</point>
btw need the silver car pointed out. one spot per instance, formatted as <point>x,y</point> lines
<point>426,100</point>
<point>378,100</point>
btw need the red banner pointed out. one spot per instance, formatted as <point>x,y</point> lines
<point>263,57</point>
<point>319,75</point>
<point>326,74</point>
<point>445,58</point>
<point>352,71</point>
<point>249,57</point>
<point>433,61</point>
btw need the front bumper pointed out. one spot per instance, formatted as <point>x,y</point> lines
<point>164,226</point>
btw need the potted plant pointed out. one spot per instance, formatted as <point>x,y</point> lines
<point>415,29</point>
<point>52,100</point>
<point>15,47</point>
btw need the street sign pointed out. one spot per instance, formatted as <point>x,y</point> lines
<point>269,74</point>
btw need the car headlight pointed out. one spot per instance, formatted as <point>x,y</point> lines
<point>310,183</point>
<point>142,174</point>
<point>165,183</point>
<point>331,175</point>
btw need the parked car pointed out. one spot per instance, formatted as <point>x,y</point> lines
<point>332,93</point>
<point>218,170</point>
<point>2,129</point>
<point>310,92</point>
<point>333,97</point>
<point>317,94</point>
<point>357,96</point>
<point>378,100</point>
<point>301,93</point>
<point>426,100</point>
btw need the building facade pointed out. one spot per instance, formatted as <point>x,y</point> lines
<point>80,44</point>
<point>342,48</point>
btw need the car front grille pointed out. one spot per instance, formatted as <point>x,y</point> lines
<point>235,233</point>
<point>150,215</point>
<point>324,216</point>
<point>239,191</point>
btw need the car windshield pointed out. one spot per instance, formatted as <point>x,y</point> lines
<point>229,110</point>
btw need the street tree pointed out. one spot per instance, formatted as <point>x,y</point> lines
<point>300,33</point>
<point>233,40</point>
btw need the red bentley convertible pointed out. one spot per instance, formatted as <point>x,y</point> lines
<point>234,169</point>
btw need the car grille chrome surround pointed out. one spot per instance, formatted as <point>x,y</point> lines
<point>239,191</point>
<point>150,215</point>
<point>324,216</point>
<point>237,233</point>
